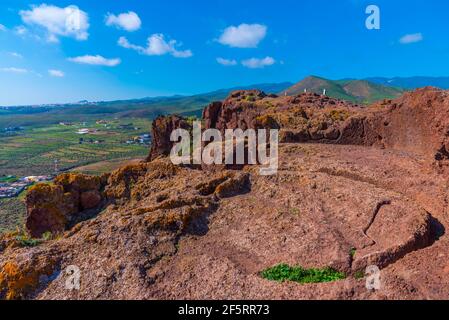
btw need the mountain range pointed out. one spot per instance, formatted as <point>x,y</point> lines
<point>359,91</point>
<point>364,91</point>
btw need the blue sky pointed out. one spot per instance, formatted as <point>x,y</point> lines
<point>129,49</point>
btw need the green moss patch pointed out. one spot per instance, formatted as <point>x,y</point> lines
<point>284,272</point>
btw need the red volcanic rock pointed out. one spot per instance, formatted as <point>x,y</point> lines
<point>355,187</point>
<point>51,208</point>
<point>237,111</point>
<point>417,122</point>
<point>161,130</point>
<point>90,199</point>
<point>307,117</point>
<point>211,114</point>
<point>48,209</point>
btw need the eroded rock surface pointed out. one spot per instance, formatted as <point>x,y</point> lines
<point>161,129</point>
<point>374,191</point>
<point>53,208</point>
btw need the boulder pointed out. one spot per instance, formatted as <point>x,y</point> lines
<point>53,207</point>
<point>90,199</point>
<point>162,128</point>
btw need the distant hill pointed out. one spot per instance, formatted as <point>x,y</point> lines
<point>413,82</point>
<point>149,107</point>
<point>360,91</point>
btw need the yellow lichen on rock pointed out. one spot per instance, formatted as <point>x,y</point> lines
<point>17,281</point>
<point>266,122</point>
<point>50,207</point>
<point>78,181</point>
<point>123,182</point>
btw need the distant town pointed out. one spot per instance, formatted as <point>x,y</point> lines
<point>11,186</point>
<point>144,139</point>
<point>69,144</point>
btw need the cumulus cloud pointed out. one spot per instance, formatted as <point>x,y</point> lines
<point>127,21</point>
<point>243,36</point>
<point>411,38</point>
<point>255,63</point>
<point>56,73</point>
<point>227,62</point>
<point>96,60</point>
<point>2,27</point>
<point>157,46</point>
<point>14,70</point>
<point>66,22</point>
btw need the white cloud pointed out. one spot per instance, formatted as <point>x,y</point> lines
<point>20,71</point>
<point>52,38</point>
<point>127,21</point>
<point>124,43</point>
<point>15,55</point>
<point>96,60</point>
<point>157,46</point>
<point>411,38</point>
<point>227,62</point>
<point>14,70</point>
<point>68,22</point>
<point>56,73</point>
<point>2,27</point>
<point>255,63</point>
<point>20,30</point>
<point>243,36</point>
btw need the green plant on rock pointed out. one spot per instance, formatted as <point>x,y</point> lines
<point>25,240</point>
<point>284,272</point>
<point>352,252</point>
<point>47,236</point>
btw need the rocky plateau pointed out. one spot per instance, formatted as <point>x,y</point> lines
<point>356,186</point>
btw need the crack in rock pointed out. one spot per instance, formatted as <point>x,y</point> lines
<point>379,206</point>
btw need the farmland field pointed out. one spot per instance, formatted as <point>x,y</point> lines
<point>101,167</point>
<point>12,213</point>
<point>34,150</point>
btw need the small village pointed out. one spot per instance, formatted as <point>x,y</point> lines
<point>11,187</point>
<point>142,139</point>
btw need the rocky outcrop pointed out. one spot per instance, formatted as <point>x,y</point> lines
<point>180,232</point>
<point>54,207</point>
<point>22,275</point>
<point>161,129</point>
<point>239,110</point>
<point>358,190</point>
<point>307,117</point>
<point>161,204</point>
<point>416,122</point>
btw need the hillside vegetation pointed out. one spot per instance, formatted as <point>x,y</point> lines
<point>358,91</point>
